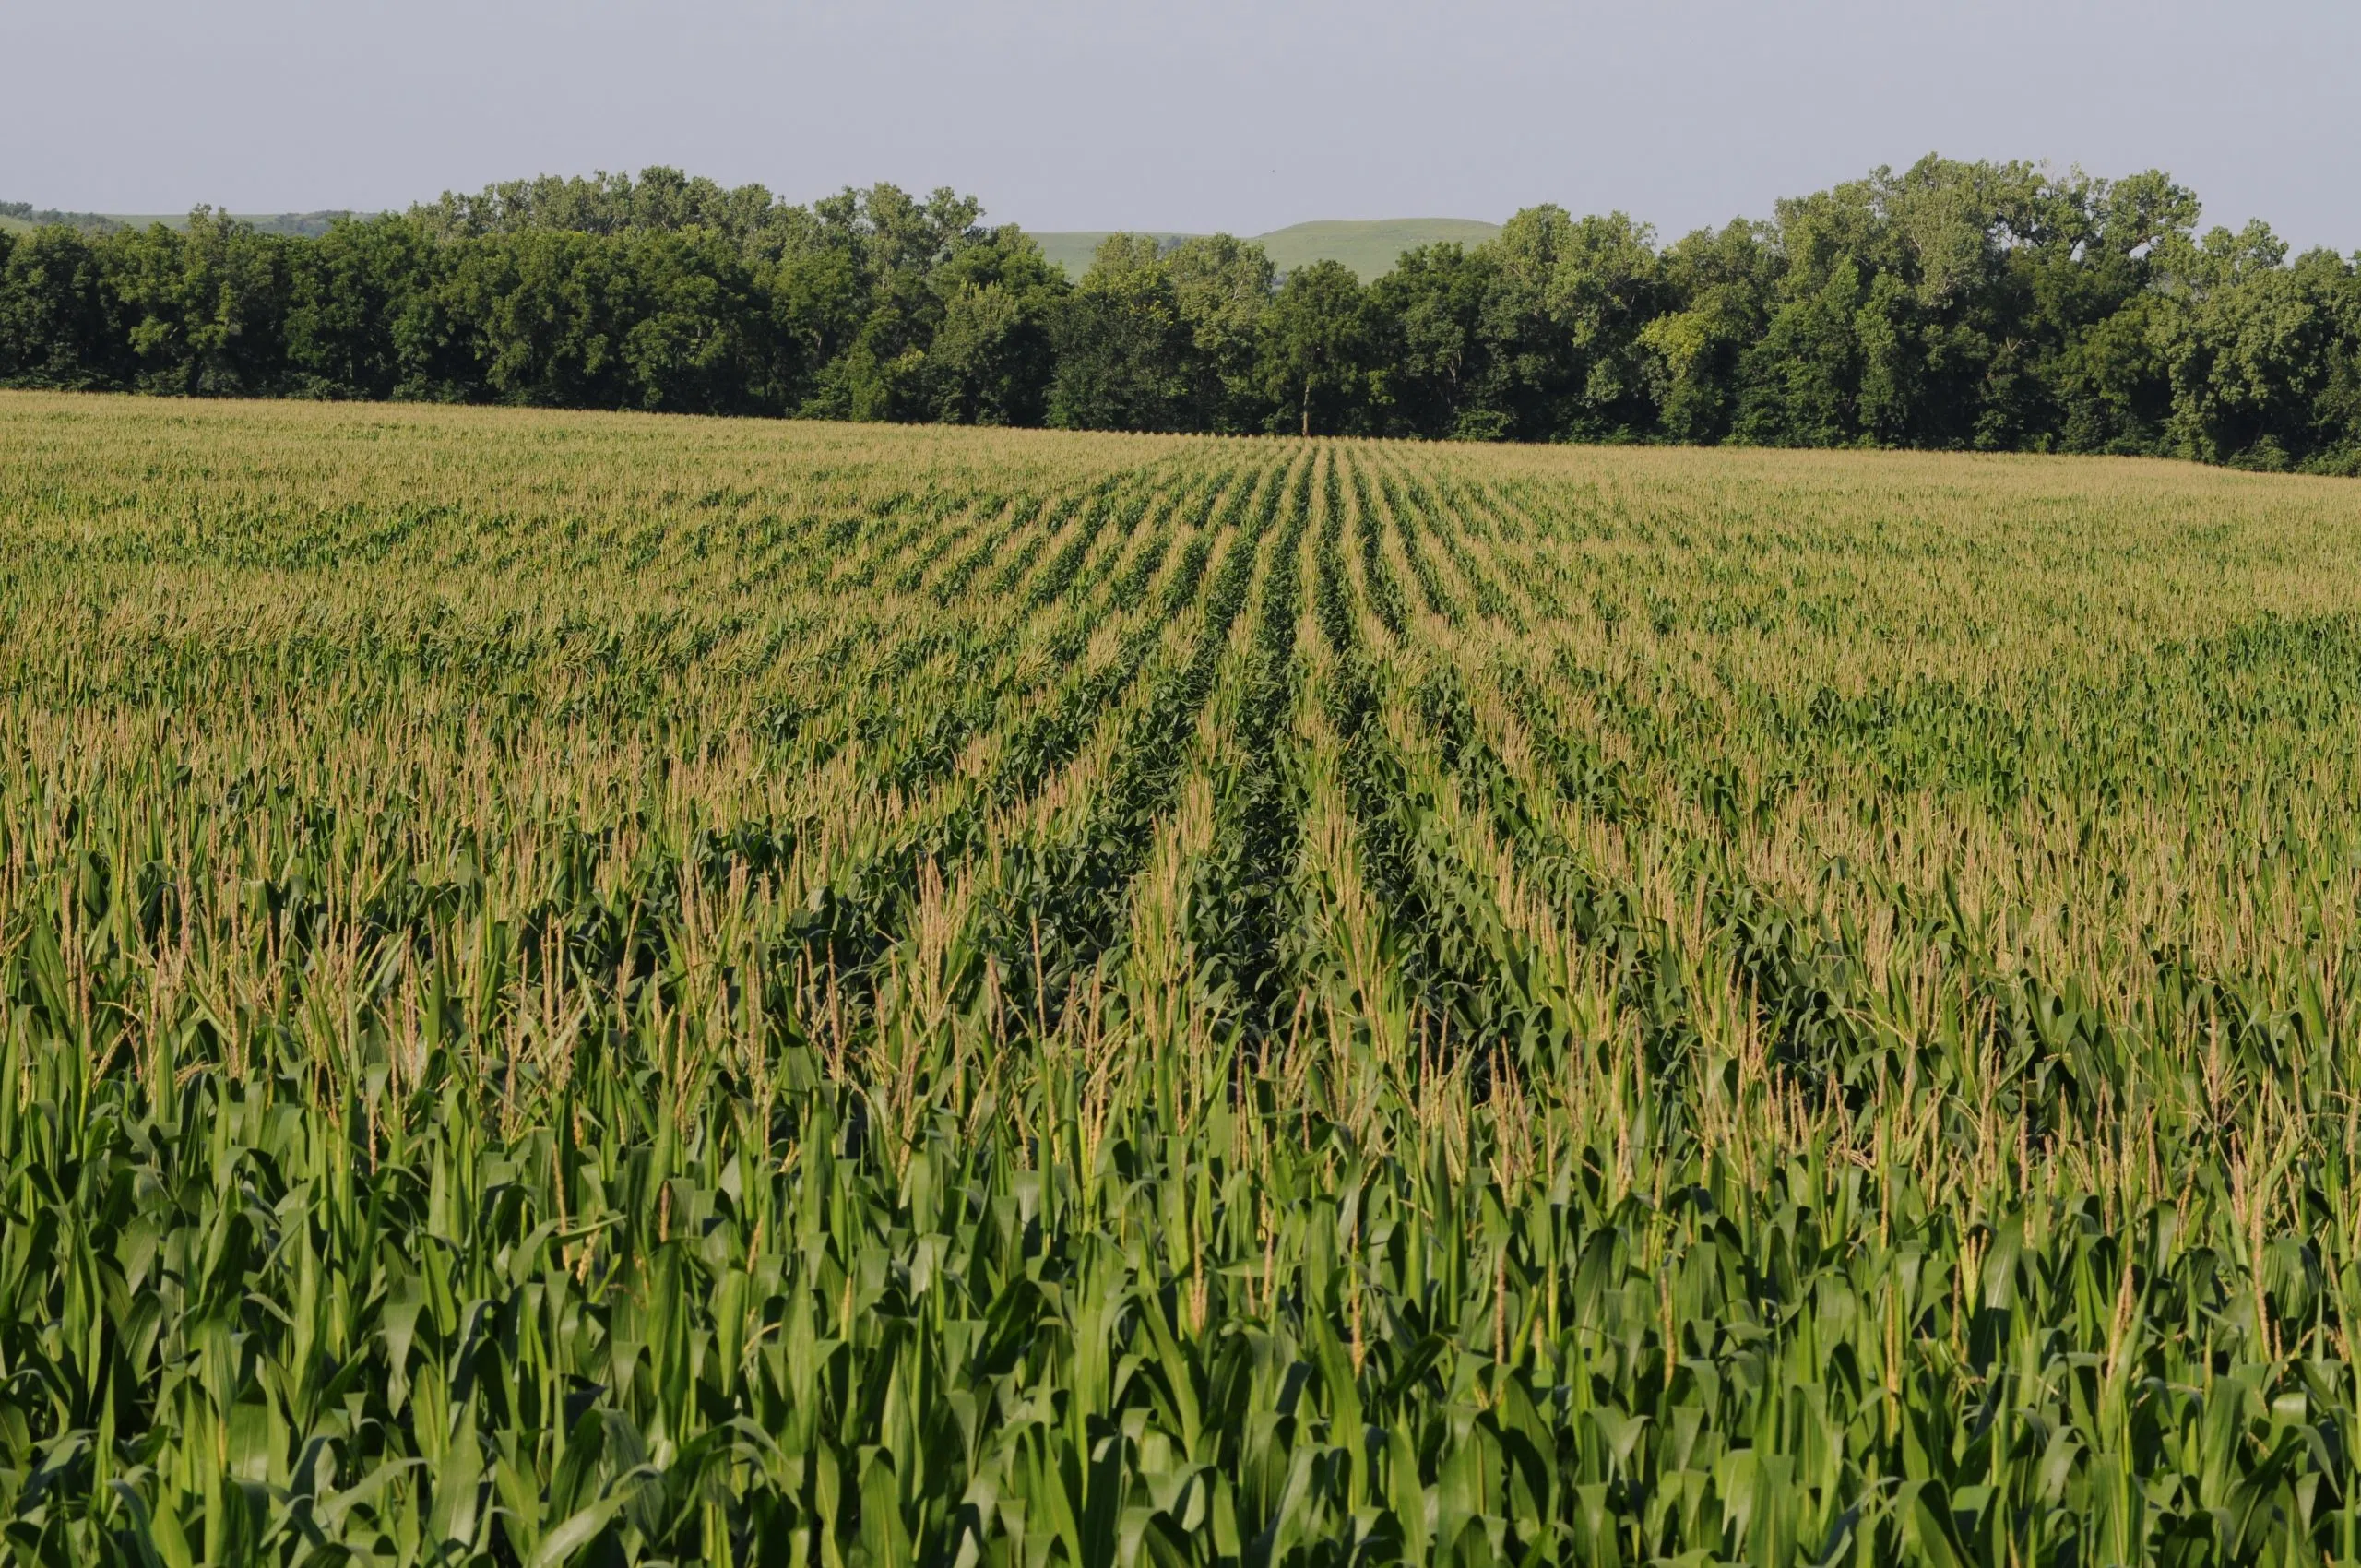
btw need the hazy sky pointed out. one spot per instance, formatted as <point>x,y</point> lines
<point>1175,115</point>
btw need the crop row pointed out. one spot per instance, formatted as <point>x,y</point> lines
<point>586,991</point>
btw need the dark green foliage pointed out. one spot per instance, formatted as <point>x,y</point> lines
<point>1316,348</point>
<point>57,313</point>
<point>1969,306</point>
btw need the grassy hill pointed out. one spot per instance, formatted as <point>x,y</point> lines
<point>1072,248</point>
<point>306,225</point>
<point>1369,247</point>
<point>309,225</point>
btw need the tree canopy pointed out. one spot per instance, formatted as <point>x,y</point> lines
<point>1992,307</point>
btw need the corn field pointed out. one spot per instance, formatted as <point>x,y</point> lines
<point>602,989</point>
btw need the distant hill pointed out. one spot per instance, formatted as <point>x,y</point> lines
<point>1072,248</point>
<point>17,219</point>
<point>1369,247</point>
<point>21,218</point>
<point>302,225</point>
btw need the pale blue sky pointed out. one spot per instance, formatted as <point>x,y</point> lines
<point>1178,116</point>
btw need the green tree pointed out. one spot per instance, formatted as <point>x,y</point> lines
<point>58,322</point>
<point>1438,376</point>
<point>1221,285</point>
<point>205,307</point>
<point>365,317</point>
<point>1717,288</point>
<point>1952,305</point>
<point>1315,339</point>
<point>895,246</point>
<point>545,311</point>
<point>992,356</point>
<point>1525,346</point>
<point>691,337</point>
<point>818,301</point>
<point>1125,354</point>
<point>2253,345</point>
<point>661,200</point>
<point>1606,286</point>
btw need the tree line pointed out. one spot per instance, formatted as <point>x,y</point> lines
<point>1988,306</point>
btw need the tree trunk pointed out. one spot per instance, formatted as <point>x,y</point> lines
<point>1306,406</point>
